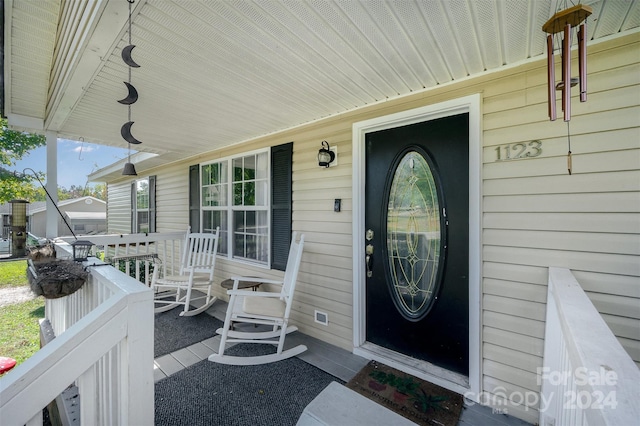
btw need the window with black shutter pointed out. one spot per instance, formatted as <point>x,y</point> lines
<point>238,194</point>
<point>281,187</point>
<point>143,205</point>
<point>194,197</point>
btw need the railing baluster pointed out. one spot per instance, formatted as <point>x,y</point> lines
<point>117,385</point>
<point>576,387</point>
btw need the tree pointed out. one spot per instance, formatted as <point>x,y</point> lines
<point>13,146</point>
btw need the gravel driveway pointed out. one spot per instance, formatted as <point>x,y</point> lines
<point>11,295</point>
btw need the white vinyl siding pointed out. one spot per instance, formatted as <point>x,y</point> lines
<point>534,215</point>
<point>119,208</point>
<point>172,199</point>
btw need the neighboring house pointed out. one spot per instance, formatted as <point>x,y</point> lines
<point>5,213</point>
<point>411,95</point>
<point>85,215</point>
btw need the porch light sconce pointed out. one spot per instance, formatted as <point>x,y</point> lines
<point>81,249</point>
<point>325,155</point>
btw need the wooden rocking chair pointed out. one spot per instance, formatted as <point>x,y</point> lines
<point>196,273</point>
<point>262,307</point>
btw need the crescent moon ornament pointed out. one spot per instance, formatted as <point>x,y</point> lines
<point>126,56</point>
<point>125,131</point>
<point>132,97</point>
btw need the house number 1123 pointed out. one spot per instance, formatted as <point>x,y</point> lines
<point>516,151</point>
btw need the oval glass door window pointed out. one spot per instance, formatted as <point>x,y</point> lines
<point>415,235</point>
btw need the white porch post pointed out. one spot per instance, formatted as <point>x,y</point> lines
<point>52,184</point>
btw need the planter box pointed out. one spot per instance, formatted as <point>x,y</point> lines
<point>57,278</point>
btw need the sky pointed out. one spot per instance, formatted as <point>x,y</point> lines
<point>76,160</point>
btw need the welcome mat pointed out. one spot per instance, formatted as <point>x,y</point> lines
<point>173,332</point>
<point>418,400</point>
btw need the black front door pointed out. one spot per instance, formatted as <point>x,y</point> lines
<point>417,241</point>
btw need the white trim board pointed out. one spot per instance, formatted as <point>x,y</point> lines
<point>469,104</point>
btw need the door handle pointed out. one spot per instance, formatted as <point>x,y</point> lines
<point>369,251</point>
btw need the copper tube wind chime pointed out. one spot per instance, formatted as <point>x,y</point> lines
<point>132,97</point>
<point>563,23</point>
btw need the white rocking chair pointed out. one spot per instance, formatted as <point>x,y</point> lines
<point>262,307</point>
<point>196,273</point>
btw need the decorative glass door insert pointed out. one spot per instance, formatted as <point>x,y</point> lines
<point>415,236</point>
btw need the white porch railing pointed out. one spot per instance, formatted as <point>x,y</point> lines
<point>134,254</point>
<point>587,378</point>
<point>104,344</point>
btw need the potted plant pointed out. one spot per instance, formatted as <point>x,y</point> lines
<point>56,278</point>
<point>423,402</point>
<point>379,380</point>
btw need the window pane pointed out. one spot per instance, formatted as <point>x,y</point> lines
<point>249,167</point>
<point>251,235</point>
<point>214,195</point>
<point>238,222</point>
<point>214,188</point>
<point>237,194</point>
<point>250,194</point>
<point>206,174</point>
<point>142,194</point>
<point>143,221</point>
<point>262,166</point>
<point>237,169</point>
<point>261,193</point>
<point>213,218</point>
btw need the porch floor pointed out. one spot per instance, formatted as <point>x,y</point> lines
<point>331,359</point>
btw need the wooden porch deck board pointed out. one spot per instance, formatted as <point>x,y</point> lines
<point>331,359</point>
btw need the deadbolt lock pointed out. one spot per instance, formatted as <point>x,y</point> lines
<point>369,234</point>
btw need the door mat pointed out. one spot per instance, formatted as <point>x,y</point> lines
<point>418,400</point>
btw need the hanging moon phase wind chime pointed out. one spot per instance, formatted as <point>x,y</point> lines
<point>564,22</point>
<point>126,56</point>
<point>132,97</point>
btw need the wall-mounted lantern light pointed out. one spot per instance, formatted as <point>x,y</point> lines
<point>325,155</point>
<point>81,249</point>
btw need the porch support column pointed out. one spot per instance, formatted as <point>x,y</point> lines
<point>52,184</point>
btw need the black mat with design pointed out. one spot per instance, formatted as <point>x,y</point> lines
<point>418,400</point>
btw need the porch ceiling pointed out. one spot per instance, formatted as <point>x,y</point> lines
<point>215,73</point>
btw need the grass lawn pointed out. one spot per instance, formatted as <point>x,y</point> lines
<point>19,327</point>
<point>13,274</point>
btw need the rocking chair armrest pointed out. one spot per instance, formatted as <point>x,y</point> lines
<point>249,293</point>
<point>258,279</point>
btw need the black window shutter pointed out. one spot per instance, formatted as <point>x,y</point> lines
<point>133,207</point>
<point>194,197</point>
<point>281,188</point>
<point>152,203</point>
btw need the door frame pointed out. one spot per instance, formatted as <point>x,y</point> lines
<point>458,383</point>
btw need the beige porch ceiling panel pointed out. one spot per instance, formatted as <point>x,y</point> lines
<point>216,73</point>
<point>29,56</point>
